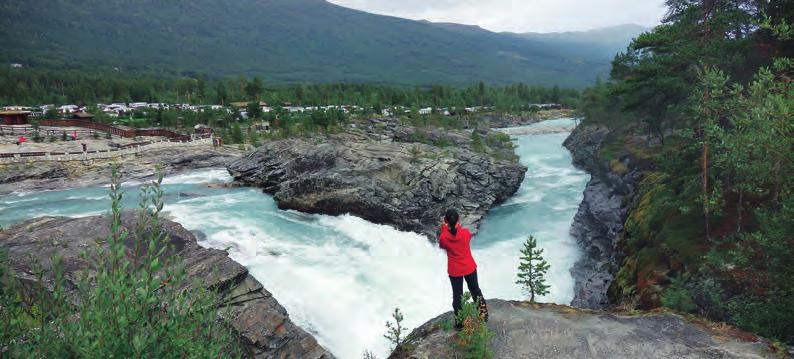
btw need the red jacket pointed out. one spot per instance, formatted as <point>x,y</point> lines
<point>459,259</point>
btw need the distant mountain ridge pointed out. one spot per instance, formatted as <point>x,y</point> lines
<point>607,40</point>
<point>285,41</point>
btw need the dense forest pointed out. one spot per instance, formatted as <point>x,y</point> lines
<point>36,87</point>
<point>703,104</point>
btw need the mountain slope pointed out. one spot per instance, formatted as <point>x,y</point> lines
<point>282,40</point>
<point>606,41</point>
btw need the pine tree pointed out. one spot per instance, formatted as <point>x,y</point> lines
<point>532,270</point>
<point>236,134</point>
<point>394,331</point>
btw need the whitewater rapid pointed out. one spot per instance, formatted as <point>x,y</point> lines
<point>341,277</point>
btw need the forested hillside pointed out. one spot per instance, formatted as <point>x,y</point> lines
<point>285,41</point>
<point>36,87</point>
<point>703,105</point>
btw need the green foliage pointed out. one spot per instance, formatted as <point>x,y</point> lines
<point>474,339</point>
<point>477,143</point>
<point>678,297</point>
<point>50,114</point>
<point>236,135</point>
<point>36,86</point>
<point>131,308</point>
<point>416,154</point>
<point>254,110</point>
<point>715,115</point>
<point>532,270</point>
<point>36,137</point>
<point>394,330</point>
<point>254,139</point>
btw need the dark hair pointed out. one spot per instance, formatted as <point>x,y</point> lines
<point>452,218</point>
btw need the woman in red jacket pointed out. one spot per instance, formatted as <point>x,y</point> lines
<point>455,239</point>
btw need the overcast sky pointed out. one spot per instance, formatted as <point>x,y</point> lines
<point>520,15</point>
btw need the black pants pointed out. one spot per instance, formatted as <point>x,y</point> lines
<point>457,290</point>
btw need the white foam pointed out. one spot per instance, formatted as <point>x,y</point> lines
<point>31,199</point>
<point>214,175</point>
<point>84,198</point>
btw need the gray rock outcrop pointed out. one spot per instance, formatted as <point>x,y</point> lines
<point>262,325</point>
<point>524,330</point>
<point>599,220</point>
<point>381,178</point>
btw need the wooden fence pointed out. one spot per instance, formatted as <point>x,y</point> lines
<point>93,128</point>
<point>132,148</point>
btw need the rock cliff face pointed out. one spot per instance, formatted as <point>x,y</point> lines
<point>549,331</point>
<point>262,325</point>
<point>381,177</point>
<point>601,215</point>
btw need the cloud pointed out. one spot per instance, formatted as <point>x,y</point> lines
<point>520,15</point>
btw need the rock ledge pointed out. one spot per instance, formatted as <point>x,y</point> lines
<point>525,330</point>
<point>261,323</point>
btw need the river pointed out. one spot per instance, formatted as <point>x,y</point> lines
<point>341,277</point>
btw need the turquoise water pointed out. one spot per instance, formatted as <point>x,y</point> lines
<point>340,277</point>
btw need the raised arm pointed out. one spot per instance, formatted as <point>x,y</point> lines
<point>441,241</point>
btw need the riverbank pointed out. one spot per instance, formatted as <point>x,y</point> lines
<point>48,176</point>
<point>262,327</point>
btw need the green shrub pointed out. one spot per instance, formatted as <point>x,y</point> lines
<point>474,340</point>
<point>678,297</point>
<point>132,308</point>
<point>477,143</point>
<point>416,153</point>
<point>253,137</point>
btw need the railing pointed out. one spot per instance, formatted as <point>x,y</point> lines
<point>132,148</point>
<point>95,126</point>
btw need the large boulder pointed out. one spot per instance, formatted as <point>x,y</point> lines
<point>524,330</point>
<point>261,323</point>
<point>385,181</point>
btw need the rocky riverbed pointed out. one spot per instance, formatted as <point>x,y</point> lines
<point>44,176</point>
<point>524,330</point>
<point>386,174</point>
<point>261,324</point>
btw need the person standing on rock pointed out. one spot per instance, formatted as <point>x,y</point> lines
<point>455,240</point>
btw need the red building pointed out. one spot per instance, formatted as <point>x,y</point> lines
<point>14,117</point>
